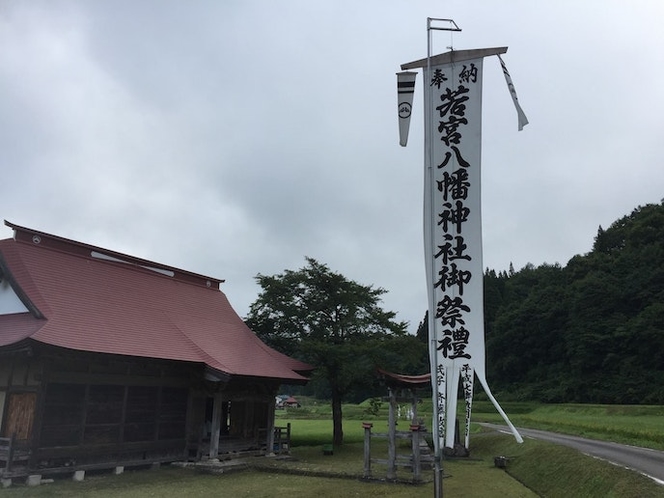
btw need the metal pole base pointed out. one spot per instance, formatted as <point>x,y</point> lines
<point>437,479</point>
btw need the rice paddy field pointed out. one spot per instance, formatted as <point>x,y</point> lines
<point>638,425</point>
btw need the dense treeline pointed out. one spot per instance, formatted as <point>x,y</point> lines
<point>592,331</point>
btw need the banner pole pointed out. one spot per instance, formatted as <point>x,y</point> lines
<point>453,231</point>
<point>430,186</point>
<point>429,181</point>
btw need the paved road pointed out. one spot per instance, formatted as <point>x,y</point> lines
<point>644,460</point>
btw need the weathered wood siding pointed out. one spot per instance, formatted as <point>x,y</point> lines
<point>20,415</point>
<point>92,414</point>
<point>87,409</point>
<point>94,408</point>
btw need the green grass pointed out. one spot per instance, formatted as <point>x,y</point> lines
<point>469,478</point>
<point>549,469</point>
<point>310,432</point>
<point>174,482</point>
<point>637,425</point>
<point>534,468</point>
<point>558,471</point>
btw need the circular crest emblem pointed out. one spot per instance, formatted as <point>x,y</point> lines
<point>404,110</point>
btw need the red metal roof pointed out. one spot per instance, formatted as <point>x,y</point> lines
<point>92,299</point>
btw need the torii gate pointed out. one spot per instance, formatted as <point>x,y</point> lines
<point>396,384</point>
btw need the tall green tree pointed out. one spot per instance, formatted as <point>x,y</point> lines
<point>321,317</point>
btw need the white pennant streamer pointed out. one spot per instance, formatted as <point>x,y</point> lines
<point>523,120</point>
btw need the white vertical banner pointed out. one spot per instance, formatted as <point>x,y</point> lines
<point>453,224</point>
<point>453,237</point>
<point>467,381</point>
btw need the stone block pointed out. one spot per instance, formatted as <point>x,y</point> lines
<point>33,480</point>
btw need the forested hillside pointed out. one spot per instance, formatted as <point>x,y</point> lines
<point>592,331</point>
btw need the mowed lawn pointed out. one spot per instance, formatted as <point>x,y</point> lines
<point>467,479</point>
<point>270,477</point>
<point>548,470</point>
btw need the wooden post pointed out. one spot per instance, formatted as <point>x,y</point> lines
<point>216,426</point>
<point>10,452</point>
<point>282,441</point>
<point>270,427</point>
<point>247,418</point>
<point>391,437</point>
<point>415,433</point>
<point>414,420</point>
<point>367,448</point>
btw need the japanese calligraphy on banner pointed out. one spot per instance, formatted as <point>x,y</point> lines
<point>453,230</point>
<point>453,234</point>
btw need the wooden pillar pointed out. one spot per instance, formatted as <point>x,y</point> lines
<point>414,419</point>
<point>225,415</point>
<point>216,425</point>
<point>415,433</point>
<point>34,440</point>
<point>367,448</point>
<point>270,426</point>
<point>10,452</point>
<point>391,437</point>
<point>247,419</point>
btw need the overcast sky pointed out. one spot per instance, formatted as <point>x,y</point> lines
<point>232,138</point>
